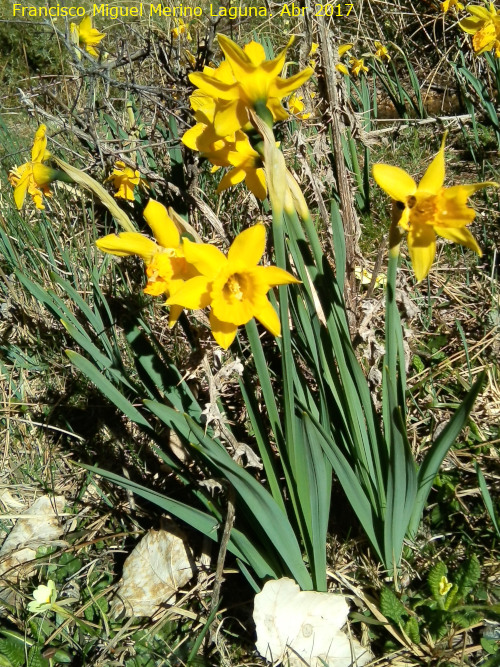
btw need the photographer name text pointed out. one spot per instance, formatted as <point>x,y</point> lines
<point>180,11</point>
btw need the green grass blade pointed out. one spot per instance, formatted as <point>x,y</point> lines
<point>108,389</point>
<point>488,502</point>
<point>432,462</point>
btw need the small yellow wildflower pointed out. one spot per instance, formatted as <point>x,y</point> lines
<point>166,266</point>
<point>451,4</point>
<point>430,209</point>
<point>484,26</point>
<point>44,597</point>
<point>180,30</point>
<point>296,106</point>
<point>365,277</point>
<point>124,180</point>
<point>357,66</point>
<point>86,37</point>
<point>444,586</point>
<point>381,51</point>
<point>234,286</point>
<point>255,81</point>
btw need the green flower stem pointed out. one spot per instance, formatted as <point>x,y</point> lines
<point>263,112</point>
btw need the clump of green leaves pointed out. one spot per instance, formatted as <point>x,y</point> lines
<point>448,606</point>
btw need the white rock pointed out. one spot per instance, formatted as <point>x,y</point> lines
<point>155,570</point>
<point>304,627</point>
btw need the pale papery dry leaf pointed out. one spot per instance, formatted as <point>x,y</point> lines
<point>156,569</point>
<point>40,527</point>
<point>304,627</point>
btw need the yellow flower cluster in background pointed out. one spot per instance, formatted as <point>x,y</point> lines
<point>381,51</point>
<point>86,37</point>
<point>125,179</point>
<point>244,81</point>
<point>181,30</point>
<point>430,209</point>
<point>484,26</point>
<point>451,4</point>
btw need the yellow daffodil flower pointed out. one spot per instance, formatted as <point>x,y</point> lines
<point>86,37</point>
<point>33,177</point>
<point>124,180</point>
<point>246,163</point>
<point>180,30</point>
<point>166,266</point>
<point>255,81</point>
<point>44,598</point>
<point>234,286</point>
<point>357,66</point>
<point>451,4</point>
<point>382,52</point>
<point>429,209</point>
<point>484,25</point>
<point>296,106</point>
<point>444,586</point>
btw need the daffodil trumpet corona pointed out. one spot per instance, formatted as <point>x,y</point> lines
<point>234,287</point>
<point>428,210</point>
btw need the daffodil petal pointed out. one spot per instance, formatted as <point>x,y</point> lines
<point>283,87</point>
<point>470,25</point>
<point>208,259</point>
<point>344,48</point>
<point>481,12</point>
<point>248,247</point>
<point>272,276</point>
<point>461,193</point>
<point>433,179</point>
<point>394,181</point>
<point>174,314</point>
<point>190,137</point>
<point>223,332</point>
<point>256,183</point>
<point>340,67</point>
<point>230,119</point>
<point>21,188</point>
<point>39,144</point>
<point>194,295</point>
<point>162,226</point>
<point>214,88</point>
<point>277,109</point>
<point>460,235</point>
<point>422,248</point>
<point>255,52</point>
<point>268,317</point>
<point>233,177</point>
<point>128,243</point>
